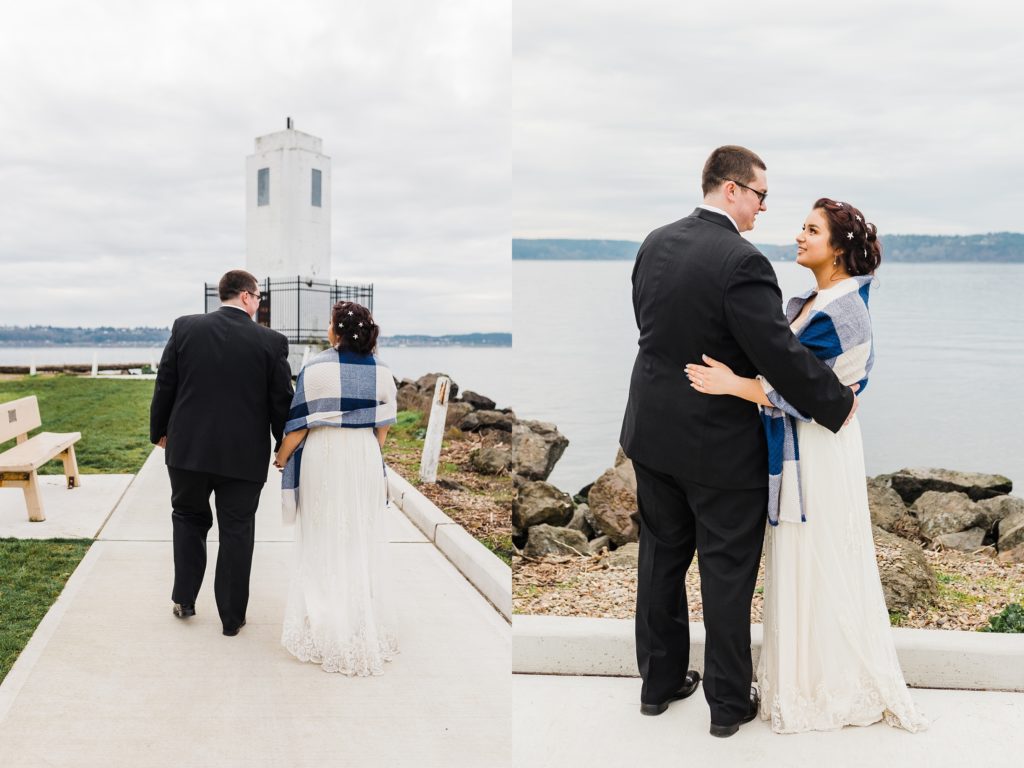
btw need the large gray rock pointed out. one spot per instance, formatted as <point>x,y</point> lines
<point>479,402</point>
<point>456,413</point>
<point>474,421</point>
<point>912,483</point>
<point>1011,531</point>
<point>492,460</point>
<point>549,540</point>
<point>410,398</point>
<point>580,521</point>
<point>887,508</point>
<point>940,513</point>
<point>596,545</point>
<point>907,579</point>
<point>613,503</point>
<point>540,502</point>
<point>965,541</point>
<point>626,556</point>
<point>536,448</point>
<point>1015,555</point>
<point>427,383</point>
<point>998,509</point>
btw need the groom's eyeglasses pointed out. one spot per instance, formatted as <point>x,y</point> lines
<point>257,296</point>
<point>760,195</point>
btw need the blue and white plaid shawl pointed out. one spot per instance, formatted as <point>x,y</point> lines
<point>335,389</point>
<point>838,331</point>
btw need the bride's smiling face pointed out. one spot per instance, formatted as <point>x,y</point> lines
<point>812,244</point>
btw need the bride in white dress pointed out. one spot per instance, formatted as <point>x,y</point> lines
<point>828,657</point>
<point>337,614</point>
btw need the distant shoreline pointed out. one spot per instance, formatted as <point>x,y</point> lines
<point>489,340</point>
<point>997,247</point>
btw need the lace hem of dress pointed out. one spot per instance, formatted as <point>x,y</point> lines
<point>863,703</point>
<point>359,656</point>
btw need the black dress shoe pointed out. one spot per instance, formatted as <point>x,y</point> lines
<point>690,683</point>
<point>233,632</point>
<point>184,610</point>
<point>723,731</point>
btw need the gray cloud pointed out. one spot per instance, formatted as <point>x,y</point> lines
<point>127,126</point>
<point>909,110</point>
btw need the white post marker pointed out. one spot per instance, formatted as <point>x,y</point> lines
<point>95,365</point>
<point>435,431</point>
<point>32,366</point>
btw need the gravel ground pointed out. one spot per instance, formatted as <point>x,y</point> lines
<point>971,589</point>
<point>482,504</point>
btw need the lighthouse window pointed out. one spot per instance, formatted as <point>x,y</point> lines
<point>316,188</point>
<point>263,186</point>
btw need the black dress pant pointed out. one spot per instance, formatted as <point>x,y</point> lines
<point>726,529</point>
<point>236,502</point>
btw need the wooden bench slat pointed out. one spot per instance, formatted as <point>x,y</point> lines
<point>18,417</point>
<point>36,451</point>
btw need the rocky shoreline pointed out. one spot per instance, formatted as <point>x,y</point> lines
<point>928,525</point>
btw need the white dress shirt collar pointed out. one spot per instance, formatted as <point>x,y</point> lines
<point>712,208</point>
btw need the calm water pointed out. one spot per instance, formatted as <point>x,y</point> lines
<point>949,362</point>
<point>945,388</point>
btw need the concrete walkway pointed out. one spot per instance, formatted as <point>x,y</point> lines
<point>112,678</point>
<point>595,722</point>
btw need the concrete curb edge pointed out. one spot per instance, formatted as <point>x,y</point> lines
<point>605,647</point>
<point>481,567</point>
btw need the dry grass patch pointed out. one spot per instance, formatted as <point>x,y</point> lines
<point>971,589</point>
<point>482,504</point>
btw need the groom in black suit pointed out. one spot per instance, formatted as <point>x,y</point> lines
<point>223,386</point>
<point>701,462</point>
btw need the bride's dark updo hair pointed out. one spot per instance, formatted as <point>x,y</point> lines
<point>852,235</point>
<point>354,327</point>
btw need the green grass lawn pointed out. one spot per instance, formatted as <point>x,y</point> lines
<point>32,575</point>
<point>112,415</point>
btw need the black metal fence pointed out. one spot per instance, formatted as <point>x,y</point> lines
<point>299,308</point>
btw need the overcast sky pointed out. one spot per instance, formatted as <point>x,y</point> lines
<point>125,127</point>
<point>913,111</point>
<point>454,126</point>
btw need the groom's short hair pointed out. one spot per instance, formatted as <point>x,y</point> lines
<point>729,163</point>
<point>235,282</point>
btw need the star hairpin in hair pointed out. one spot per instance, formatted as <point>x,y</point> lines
<point>355,335</point>
<point>840,205</point>
<point>849,235</point>
<point>857,218</point>
<point>360,325</point>
<point>350,313</point>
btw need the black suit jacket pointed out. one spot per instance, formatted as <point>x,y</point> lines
<point>223,386</point>
<point>700,288</point>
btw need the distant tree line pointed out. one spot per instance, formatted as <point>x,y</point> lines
<point>450,340</point>
<point>48,336</point>
<point>996,247</point>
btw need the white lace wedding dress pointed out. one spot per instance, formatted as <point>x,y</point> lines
<point>828,657</point>
<point>337,613</point>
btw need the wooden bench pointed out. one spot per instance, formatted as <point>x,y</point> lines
<point>18,465</point>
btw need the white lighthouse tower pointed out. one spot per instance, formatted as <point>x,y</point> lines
<point>288,240</point>
<point>288,207</point>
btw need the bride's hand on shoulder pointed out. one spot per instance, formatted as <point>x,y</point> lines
<point>712,378</point>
